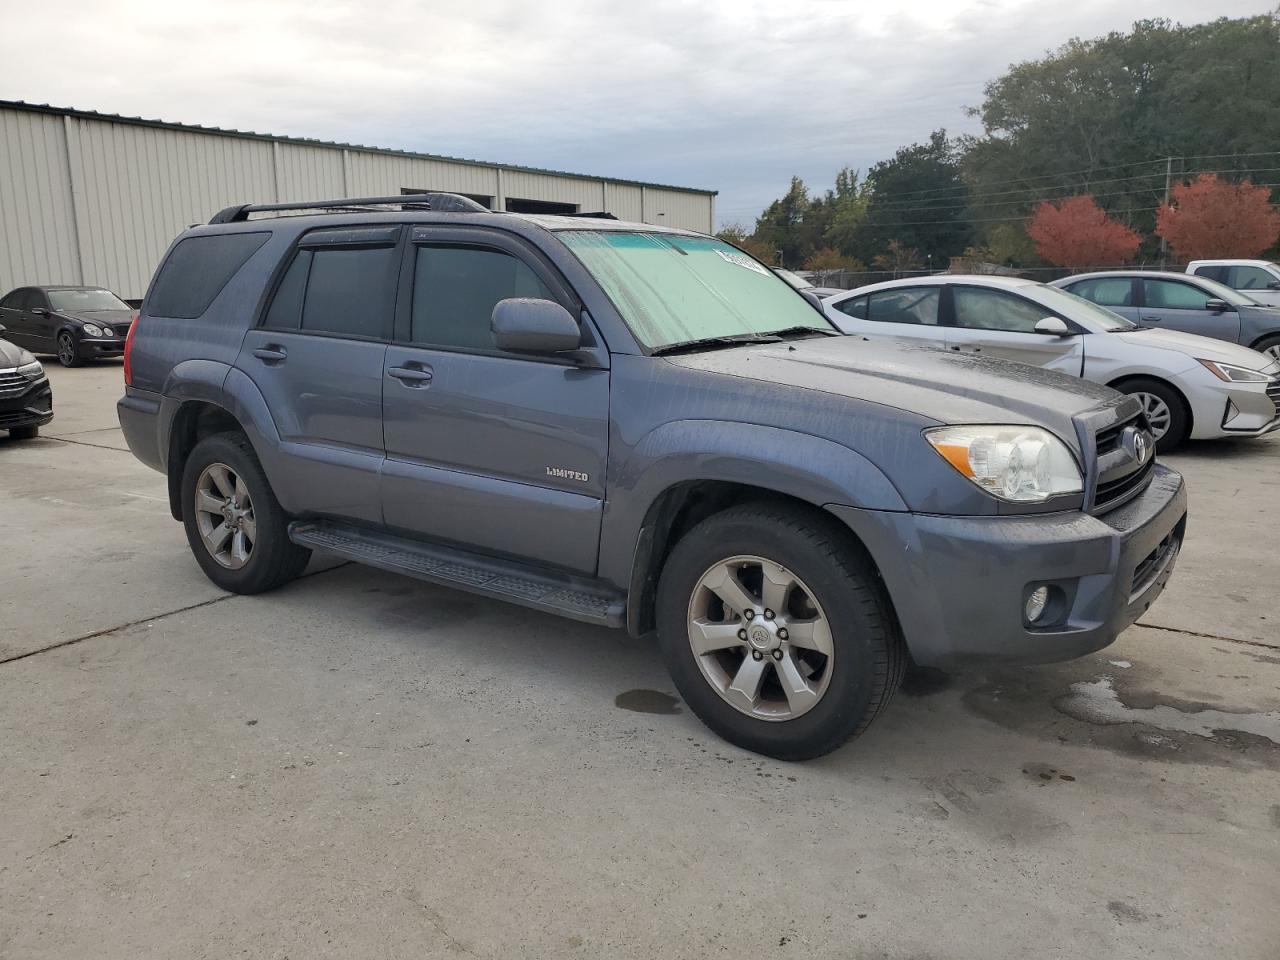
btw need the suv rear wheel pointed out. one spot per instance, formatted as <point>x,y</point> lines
<point>235,526</point>
<point>776,633</point>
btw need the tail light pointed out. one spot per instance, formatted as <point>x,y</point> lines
<point>128,351</point>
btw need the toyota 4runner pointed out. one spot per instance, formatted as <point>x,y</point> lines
<point>638,427</point>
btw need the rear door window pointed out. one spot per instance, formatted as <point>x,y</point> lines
<point>1106,291</point>
<point>854,307</point>
<point>916,305</point>
<point>196,271</point>
<point>1213,272</point>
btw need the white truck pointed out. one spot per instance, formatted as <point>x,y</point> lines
<point>1259,279</point>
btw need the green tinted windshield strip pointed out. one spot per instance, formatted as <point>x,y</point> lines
<point>675,288</point>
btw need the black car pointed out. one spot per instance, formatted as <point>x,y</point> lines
<point>73,323</point>
<point>26,400</point>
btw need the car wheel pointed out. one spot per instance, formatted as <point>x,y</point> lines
<point>1270,346</point>
<point>67,355</point>
<point>1166,411</point>
<point>236,528</point>
<point>24,433</point>
<point>776,632</point>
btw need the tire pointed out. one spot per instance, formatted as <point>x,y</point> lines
<point>856,682</point>
<point>269,559</point>
<point>24,433</point>
<point>67,355</point>
<point>1158,396</point>
<point>1270,346</point>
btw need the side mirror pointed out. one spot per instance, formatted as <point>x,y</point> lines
<point>1217,306</point>
<point>1274,285</point>
<point>524,325</point>
<point>1053,327</point>
<point>2,328</point>
<point>40,311</point>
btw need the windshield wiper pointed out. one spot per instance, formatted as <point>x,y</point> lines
<point>708,343</point>
<point>799,331</point>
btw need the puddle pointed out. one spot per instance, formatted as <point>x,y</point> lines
<point>1098,702</point>
<point>647,701</point>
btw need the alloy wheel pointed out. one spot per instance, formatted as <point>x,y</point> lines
<point>66,350</point>
<point>760,638</point>
<point>1273,351</point>
<point>224,516</point>
<point>1159,416</point>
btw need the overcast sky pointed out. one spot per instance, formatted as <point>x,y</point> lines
<point>732,95</point>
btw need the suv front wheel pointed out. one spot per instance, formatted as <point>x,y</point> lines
<point>237,529</point>
<point>776,633</point>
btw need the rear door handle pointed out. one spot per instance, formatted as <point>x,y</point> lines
<point>271,353</point>
<point>411,376</point>
<point>1152,319</point>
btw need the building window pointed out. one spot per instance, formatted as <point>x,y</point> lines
<point>519,205</point>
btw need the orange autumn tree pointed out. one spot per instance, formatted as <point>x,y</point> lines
<point>1215,218</point>
<point>1077,233</point>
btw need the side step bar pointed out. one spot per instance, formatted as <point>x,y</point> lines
<point>578,598</point>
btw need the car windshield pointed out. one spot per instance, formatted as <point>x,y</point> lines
<point>77,301</point>
<point>1067,303</point>
<point>675,289</point>
<point>1223,292</point>
<point>797,281</point>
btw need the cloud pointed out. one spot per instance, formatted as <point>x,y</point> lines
<point>735,95</point>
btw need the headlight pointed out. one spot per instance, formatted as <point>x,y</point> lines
<point>1233,374</point>
<point>1019,464</point>
<point>92,330</point>
<point>32,370</point>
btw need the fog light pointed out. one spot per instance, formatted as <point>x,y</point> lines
<point>1036,603</point>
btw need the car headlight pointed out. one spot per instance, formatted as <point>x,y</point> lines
<point>1015,463</point>
<point>1234,374</point>
<point>32,370</point>
<point>92,330</point>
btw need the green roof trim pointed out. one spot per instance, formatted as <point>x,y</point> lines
<point>309,142</point>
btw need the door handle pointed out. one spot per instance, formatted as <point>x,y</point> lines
<point>1152,319</point>
<point>411,376</point>
<point>271,353</point>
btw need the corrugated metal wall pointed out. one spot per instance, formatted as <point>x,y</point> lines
<point>86,200</point>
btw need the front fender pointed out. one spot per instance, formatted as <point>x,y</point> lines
<point>799,465</point>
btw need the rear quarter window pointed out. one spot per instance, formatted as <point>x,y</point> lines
<point>196,271</point>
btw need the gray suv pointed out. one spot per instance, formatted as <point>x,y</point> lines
<point>638,427</point>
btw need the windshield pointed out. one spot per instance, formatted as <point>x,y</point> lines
<point>79,301</point>
<point>674,289</point>
<point>797,281</point>
<point>1223,292</point>
<point>1067,303</point>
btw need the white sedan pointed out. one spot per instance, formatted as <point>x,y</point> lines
<point>1190,386</point>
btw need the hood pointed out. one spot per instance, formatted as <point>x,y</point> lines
<point>938,384</point>
<point>12,355</point>
<point>112,317</point>
<point>1194,346</point>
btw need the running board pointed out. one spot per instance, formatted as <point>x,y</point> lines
<point>578,598</point>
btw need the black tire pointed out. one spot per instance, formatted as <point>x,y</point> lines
<point>1269,344</point>
<point>275,559</point>
<point>24,433</point>
<point>1179,415</point>
<point>869,655</point>
<point>67,353</point>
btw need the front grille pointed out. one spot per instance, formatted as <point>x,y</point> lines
<point>1120,477</point>
<point>12,383</point>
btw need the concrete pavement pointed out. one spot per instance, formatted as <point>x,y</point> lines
<point>365,766</point>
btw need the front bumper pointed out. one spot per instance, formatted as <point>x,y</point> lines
<point>31,408</point>
<point>959,584</point>
<point>95,349</point>
<point>1234,409</point>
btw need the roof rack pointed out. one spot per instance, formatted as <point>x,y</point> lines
<point>439,202</point>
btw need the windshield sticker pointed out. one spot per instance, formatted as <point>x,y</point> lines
<point>742,260</point>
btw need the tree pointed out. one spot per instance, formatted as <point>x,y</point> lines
<point>1213,218</point>
<point>1006,244</point>
<point>899,258</point>
<point>738,236</point>
<point>919,199</point>
<point>1077,233</point>
<point>1100,115</point>
<point>829,258</point>
<point>849,203</point>
<point>779,226</point>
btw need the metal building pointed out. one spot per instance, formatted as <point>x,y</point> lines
<point>96,198</point>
